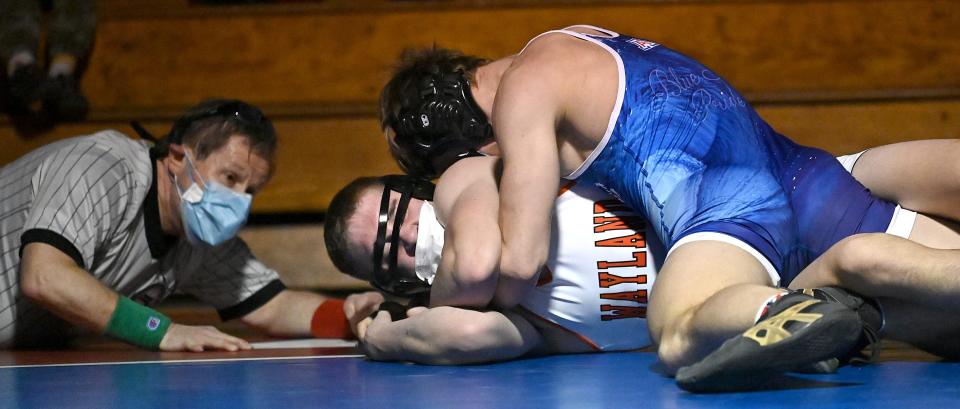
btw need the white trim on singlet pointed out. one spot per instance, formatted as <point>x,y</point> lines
<point>902,222</point>
<point>621,87</point>
<point>849,161</point>
<point>726,238</point>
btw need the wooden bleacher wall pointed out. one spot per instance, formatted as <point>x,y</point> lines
<point>842,75</point>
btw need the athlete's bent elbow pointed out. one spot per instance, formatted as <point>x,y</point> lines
<point>521,268</point>
<point>477,269</point>
<point>33,284</point>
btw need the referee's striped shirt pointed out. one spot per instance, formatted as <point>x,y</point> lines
<point>95,198</point>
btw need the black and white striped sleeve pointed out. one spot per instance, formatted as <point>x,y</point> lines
<point>232,280</point>
<point>81,195</point>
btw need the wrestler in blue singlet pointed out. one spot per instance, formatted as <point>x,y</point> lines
<point>688,151</point>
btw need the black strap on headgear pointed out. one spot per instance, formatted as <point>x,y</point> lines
<point>440,125</point>
<point>391,280</point>
<point>143,132</point>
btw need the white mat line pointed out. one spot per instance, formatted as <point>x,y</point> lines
<point>179,361</point>
<point>304,343</point>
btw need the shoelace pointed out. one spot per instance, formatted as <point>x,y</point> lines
<point>858,358</point>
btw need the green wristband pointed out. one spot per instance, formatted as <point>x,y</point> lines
<point>139,325</point>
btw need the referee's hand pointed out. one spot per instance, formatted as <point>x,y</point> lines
<point>199,339</point>
<point>358,307</point>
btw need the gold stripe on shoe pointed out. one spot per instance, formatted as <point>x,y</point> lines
<point>772,330</point>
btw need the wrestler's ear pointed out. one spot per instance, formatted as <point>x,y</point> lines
<point>176,157</point>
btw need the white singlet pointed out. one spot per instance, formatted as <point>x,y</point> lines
<point>600,271</point>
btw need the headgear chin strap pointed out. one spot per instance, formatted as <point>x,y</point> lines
<point>392,280</point>
<point>439,126</point>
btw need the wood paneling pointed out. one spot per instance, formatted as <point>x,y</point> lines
<point>782,50</point>
<point>298,254</point>
<point>848,128</point>
<point>842,75</point>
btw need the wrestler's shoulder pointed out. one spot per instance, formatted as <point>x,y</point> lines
<point>464,173</point>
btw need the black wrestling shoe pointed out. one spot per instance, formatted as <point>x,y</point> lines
<point>24,88</point>
<point>798,330</point>
<point>868,347</point>
<point>63,100</point>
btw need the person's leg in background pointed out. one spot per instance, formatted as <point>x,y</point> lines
<point>19,41</point>
<point>71,34</point>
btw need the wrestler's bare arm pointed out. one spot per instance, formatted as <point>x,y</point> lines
<point>450,336</point>
<point>525,115</point>
<point>466,203</point>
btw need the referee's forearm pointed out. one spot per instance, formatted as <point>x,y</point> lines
<point>52,280</point>
<point>288,314</point>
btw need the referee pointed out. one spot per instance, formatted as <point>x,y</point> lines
<point>95,230</point>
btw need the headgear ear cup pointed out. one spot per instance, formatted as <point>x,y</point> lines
<point>444,120</point>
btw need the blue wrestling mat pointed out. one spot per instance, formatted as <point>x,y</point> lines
<point>622,380</point>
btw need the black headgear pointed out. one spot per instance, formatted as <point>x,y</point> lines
<point>439,125</point>
<point>391,280</point>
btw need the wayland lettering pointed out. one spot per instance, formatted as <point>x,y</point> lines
<point>604,224</point>
<point>608,280</point>
<point>639,260</point>
<point>620,312</point>
<point>633,240</point>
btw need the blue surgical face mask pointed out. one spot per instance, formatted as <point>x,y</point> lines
<point>212,214</point>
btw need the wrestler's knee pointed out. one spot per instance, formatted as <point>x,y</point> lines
<point>860,259</point>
